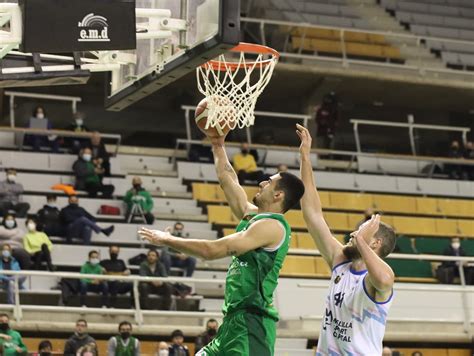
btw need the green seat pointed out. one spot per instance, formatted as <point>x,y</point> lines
<point>404,245</point>
<point>431,245</point>
<point>468,246</point>
<point>410,268</point>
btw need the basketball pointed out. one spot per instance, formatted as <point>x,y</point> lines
<point>200,116</point>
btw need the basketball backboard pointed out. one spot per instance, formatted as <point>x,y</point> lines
<point>173,38</point>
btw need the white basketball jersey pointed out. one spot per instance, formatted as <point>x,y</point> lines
<point>353,323</point>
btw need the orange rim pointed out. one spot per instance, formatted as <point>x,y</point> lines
<point>246,48</point>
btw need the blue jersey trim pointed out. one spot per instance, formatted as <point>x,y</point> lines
<point>372,299</point>
<point>340,264</point>
<point>357,272</point>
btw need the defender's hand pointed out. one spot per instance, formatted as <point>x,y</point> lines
<point>368,229</point>
<point>305,137</point>
<point>156,237</point>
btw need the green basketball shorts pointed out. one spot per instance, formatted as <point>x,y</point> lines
<point>243,334</point>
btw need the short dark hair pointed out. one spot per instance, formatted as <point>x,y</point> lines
<point>35,110</point>
<point>51,197</point>
<point>43,344</point>
<point>93,251</point>
<point>125,323</point>
<point>177,333</point>
<point>211,321</point>
<point>81,321</point>
<point>152,250</point>
<point>31,218</point>
<point>293,188</point>
<point>389,239</point>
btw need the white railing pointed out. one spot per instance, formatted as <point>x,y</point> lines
<point>410,125</point>
<point>14,94</point>
<point>63,133</point>
<point>302,117</point>
<point>352,156</point>
<point>138,313</point>
<point>421,67</point>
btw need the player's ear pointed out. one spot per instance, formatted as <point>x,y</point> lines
<point>279,195</point>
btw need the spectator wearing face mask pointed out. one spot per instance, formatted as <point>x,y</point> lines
<point>124,344</point>
<point>100,156</point>
<point>79,339</point>
<point>172,258</point>
<point>92,266</point>
<point>78,126</point>
<point>177,347</point>
<point>38,245</point>
<point>48,218</point>
<point>117,267</point>
<point>10,340</point>
<point>12,234</point>
<point>448,270</point>
<point>246,166</point>
<point>79,223</point>
<point>7,282</point>
<point>138,196</point>
<point>162,349</point>
<point>10,195</point>
<point>207,336</point>
<point>87,175</point>
<point>37,141</point>
<point>45,348</point>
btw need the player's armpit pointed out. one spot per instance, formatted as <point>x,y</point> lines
<point>379,295</point>
<point>262,233</point>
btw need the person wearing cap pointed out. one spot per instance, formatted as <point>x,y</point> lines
<point>10,195</point>
<point>177,347</point>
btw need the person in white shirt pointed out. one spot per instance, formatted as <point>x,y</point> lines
<point>360,291</point>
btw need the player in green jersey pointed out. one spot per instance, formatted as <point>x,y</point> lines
<point>258,249</point>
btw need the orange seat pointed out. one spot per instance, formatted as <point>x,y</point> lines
<point>299,266</point>
<point>350,201</point>
<point>393,203</point>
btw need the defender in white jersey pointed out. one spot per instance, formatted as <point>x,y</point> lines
<point>360,293</point>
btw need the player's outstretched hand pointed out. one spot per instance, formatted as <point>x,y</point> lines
<point>155,237</point>
<point>368,229</point>
<point>305,138</point>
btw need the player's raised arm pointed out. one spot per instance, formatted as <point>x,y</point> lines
<point>380,276</point>
<point>263,233</point>
<point>328,246</point>
<point>234,193</point>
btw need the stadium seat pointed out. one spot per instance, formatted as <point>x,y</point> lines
<point>455,207</point>
<point>394,204</point>
<point>350,201</point>
<point>221,215</point>
<point>304,241</point>
<point>299,266</point>
<point>465,228</point>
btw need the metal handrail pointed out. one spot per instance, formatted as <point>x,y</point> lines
<point>351,154</point>
<point>410,125</point>
<point>63,133</point>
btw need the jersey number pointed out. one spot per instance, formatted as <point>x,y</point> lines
<point>338,299</point>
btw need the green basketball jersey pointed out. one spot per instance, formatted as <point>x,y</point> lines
<point>253,276</point>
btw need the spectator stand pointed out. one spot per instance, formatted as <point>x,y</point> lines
<point>459,314</point>
<point>348,46</point>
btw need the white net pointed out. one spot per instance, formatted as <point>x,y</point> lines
<point>232,88</point>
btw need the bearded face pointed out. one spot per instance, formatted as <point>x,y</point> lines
<point>351,252</point>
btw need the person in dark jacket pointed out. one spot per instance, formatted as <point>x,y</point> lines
<point>79,339</point>
<point>40,140</point>
<point>326,121</point>
<point>100,156</point>
<point>87,173</point>
<point>152,267</point>
<point>48,218</point>
<point>448,270</point>
<point>207,336</point>
<point>76,143</point>
<point>177,347</point>
<point>79,223</point>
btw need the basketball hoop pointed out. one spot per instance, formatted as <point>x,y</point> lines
<point>232,86</point>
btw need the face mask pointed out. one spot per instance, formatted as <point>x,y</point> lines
<point>211,332</point>
<point>113,256</point>
<point>79,122</point>
<point>11,178</point>
<point>6,253</point>
<point>10,224</point>
<point>52,205</point>
<point>4,326</point>
<point>244,152</point>
<point>40,115</point>
<point>137,186</point>
<point>163,353</point>
<point>86,157</point>
<point>31,226</point>
<point>125,335</point>
<point>455,245</point>
<point>94,261</point>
